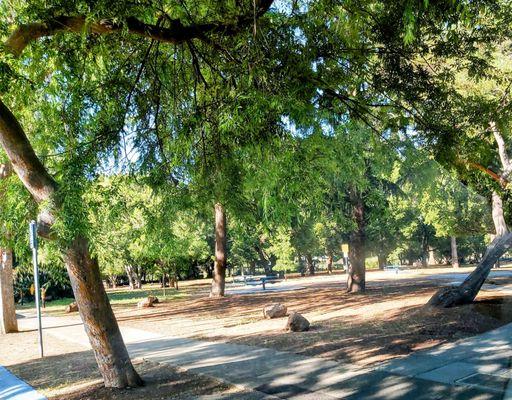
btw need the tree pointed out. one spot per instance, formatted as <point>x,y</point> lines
<point>95,310</point>
<point>8,322</point>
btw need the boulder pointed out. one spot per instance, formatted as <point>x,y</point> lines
<point>150,301</point>
<point>73,307</point>
<point>297,323</point>
<point>274,310</point>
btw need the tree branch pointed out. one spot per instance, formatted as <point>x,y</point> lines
<point>175,33</point>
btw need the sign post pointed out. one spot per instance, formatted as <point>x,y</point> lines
<point>37,294</point>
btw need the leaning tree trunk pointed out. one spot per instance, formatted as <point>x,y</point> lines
<point>8,322</point>
<point>356,281</point>
<point>466,292</point>
<point>219,269</point>
<point>455,255</point>
<point>99,320</point>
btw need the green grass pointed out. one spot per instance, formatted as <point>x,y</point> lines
<point>121,297</point>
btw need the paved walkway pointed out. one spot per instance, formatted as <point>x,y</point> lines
<point>474,368</point>
<point>13,388</point>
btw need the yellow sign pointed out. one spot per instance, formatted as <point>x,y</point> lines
<point>344,248</point>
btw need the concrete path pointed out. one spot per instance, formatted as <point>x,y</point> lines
<point>13,388</point>
<point>470,370</point>
<point>483,362</point>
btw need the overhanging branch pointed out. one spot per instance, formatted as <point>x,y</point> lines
<point>175,33</point>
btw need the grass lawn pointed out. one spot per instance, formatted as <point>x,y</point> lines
<point>118,297</point>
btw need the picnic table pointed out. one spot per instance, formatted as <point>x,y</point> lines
<point>257,280</point>
<point>395,268</point>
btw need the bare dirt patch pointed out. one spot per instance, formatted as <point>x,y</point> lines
<point>388,321</point>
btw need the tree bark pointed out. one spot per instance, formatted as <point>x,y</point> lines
<point>134,277</point>
<point>431,257</point>
<point>97,315</point>
<point>383,260</point>
<point>311,264</point>
<point>8,322</point>
<point>455,256</point>
<point>356,280</point>
<point>466,292</point>
<point>498,216</point>
<point>99,321</point>
<point>219,269</point>
<point>329,263</point>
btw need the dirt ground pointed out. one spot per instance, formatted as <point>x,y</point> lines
<point>69,373</point>
<point>389,320</point>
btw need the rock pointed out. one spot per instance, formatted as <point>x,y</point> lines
<point>73,307</point>
<point>274,310</point>
<point>297,323</point>
<point>150,301</point>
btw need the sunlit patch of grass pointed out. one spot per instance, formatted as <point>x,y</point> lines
<point>118,297</point>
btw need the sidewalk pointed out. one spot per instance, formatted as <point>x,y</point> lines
<point>13,388</point>
<point>468,369</point>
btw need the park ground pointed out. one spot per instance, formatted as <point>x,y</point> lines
<point>388,321</point>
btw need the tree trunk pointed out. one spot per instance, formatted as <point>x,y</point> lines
<point>219,269</point>
<point>8,322</point>
<point>455,256</point>
<point>356,270</point>
<point>431,257</point>
<point>329,263</point>
<point>129,273</point>
<point>383,260</point>
<point>311,264</point>
<point>99,320</point>
<point>466,292</point>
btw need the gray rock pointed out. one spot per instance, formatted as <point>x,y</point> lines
<point>297,323</point>
<point>274,310</point>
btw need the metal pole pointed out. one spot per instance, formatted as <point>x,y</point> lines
<point>34,245</point>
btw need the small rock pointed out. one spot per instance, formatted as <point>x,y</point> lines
<point>73,307</point>
<point>297,323</point>
<point>150,301</point>
<point>274,310</point>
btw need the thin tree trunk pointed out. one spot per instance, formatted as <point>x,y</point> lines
<point>311,264</point>
<point>356,280</point>
<point>8,322</point>
<point>219,269</point>
<point>466,292</point>
<point>455,256</point>
<point>129,273</point>
<point>99,320</point>
<point>431,257</point>
<point>329,263</point>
